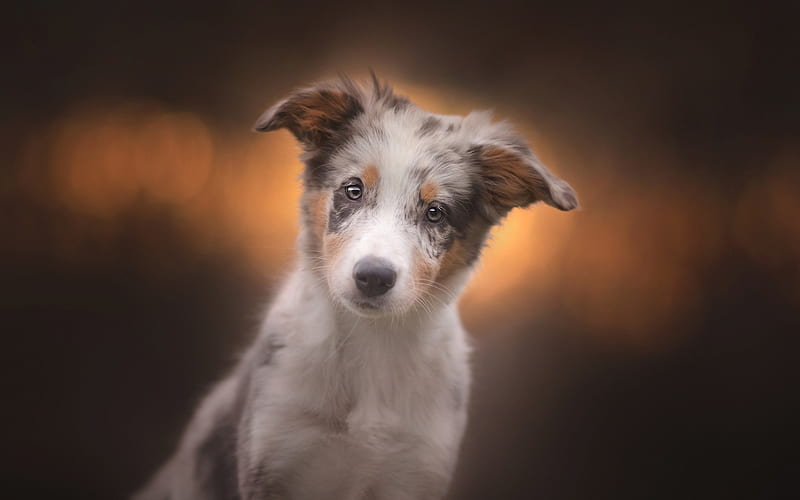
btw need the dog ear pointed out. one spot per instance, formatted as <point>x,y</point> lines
<point>512,176</point>
<point>317,115</point>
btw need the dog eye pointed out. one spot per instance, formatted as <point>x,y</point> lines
<point>353,191</point>
<point>434,213</point>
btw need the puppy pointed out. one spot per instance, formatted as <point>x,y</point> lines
<point>357,385</point>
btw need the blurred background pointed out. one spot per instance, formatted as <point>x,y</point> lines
<point>645,346</point>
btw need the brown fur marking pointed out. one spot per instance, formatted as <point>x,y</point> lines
<point>332,245</point>
<point>314,116</point>
<point>314,209</point>
<point>509,180</point>
<point>318,208</point>
<point>428,192</point>
<point>454,259</point>
<point>423,272</point>
<point>465,250</point>
<point>370,176</point>
<point>423,268</point>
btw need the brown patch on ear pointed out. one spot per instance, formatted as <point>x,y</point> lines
<point>428,192</point>
<point>370,175</point>
<point>313,116</point>
<point>509,180</point>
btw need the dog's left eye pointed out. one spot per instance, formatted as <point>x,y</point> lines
<point>353,191</point>
<point>434,213</point>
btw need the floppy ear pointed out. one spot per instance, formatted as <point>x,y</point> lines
<point>315,116</point>
<point>513,177</point>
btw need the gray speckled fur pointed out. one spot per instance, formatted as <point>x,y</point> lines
<point>329,403</point>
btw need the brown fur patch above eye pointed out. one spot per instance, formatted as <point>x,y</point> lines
<point>428,192</point>
<point>510,182</point>
<point>370,175</point>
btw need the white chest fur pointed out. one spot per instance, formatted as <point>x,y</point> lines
<point>357,407</point>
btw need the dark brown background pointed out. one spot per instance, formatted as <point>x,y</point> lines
<point>643,347</point>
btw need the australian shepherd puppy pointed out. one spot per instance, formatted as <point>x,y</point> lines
<point>358,382</point>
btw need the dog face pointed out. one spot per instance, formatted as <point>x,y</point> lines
<point>398,201</point>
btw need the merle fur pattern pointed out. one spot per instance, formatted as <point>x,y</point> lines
<point>343,396</point>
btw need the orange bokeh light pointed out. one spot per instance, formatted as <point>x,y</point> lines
<point>102,158</point>
<point>623,265</point>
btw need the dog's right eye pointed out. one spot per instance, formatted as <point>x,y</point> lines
<point>353,191</point>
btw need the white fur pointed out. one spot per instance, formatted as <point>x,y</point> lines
<point>350,408</point>
<point>389,384</point>
<point>336,400</point>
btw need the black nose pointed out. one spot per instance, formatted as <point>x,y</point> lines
<point>374,276</point>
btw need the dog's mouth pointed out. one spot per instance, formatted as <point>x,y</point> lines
<point>365,306</point>
<point>368,305</point>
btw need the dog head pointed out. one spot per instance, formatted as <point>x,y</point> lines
<point>398,201</point>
